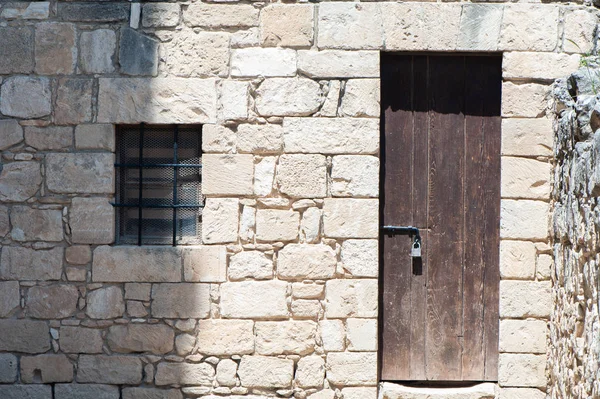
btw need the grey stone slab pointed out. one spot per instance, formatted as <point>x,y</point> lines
<point>93,12</point>
<point>16,51</point>
<point>26,336</point>
<point>25,96</point>
<point>480,27</point>
<point>8,368</point>
<point>85,391</point>
<point>138,54</point>
<point>25,392</point>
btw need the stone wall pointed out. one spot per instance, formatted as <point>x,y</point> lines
<point>574,359</point>
<point>281,298</point>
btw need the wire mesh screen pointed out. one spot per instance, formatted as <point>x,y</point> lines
<point>159,185</point>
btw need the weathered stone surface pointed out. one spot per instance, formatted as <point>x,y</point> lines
<point>234,100</point>
<point>310,372</point>
<point>333,335</point>
<point>48,368</point>
<point>250,264</point>
<point>194,54</point>
<point>361,98</point>
<point>266,372</point>
<point>522,370</point>
<point>522,393</point>
<point>225,337</point>
<point>259,138</point>
<point>339,64</point>
<point>254,300</point>
<point>516,219</point>
<point>277,225</point>
<point>351,218</point>
<point>310,262</point>
<point>160,15</point>
<point>55,50</point>
<point>217,138</point>
<point>307,291</point>
<point>25,10</point>
<point>94,12</point>
<point>138,291</point>
<point>49,138</point>
<point>529,27</point>
<point>52,302</point>
<point>80,173</point>
<point>154,338</point>
<point>79,391</point>
<point>27,392</point>
<point>181,301</point>
<point>113,369</point>
<point>184,374</point>
<point>517,259</point>
<point>525,136</point>
<point>26,336</point>
<point>306,309</point>
<point>579,31</point>
<point>145,264</point>
<point>302,176</point>
<point>287,25</point>
<point>250,62</point>
<point>19,263</point>
<point>245,38</point>
<point>397,391</point>
<point>31,224</point>
<point>351,369</point>
<point>19,181</point>
<point>92,221</point>
<point>138,53</point>
<point>4,221</point>
<point>361,257</point>
<point>360,393</point>
<point>11,133</point>
<point>80,340</point>
<point>226,373</point>
<point>543,268</point>
<point>362,334</point>
<point>310,226</point>
<point>151,393</point>
<point>480,27</point>
<point>136,309</point>
<point>350,26</point>
<point>264,176</point>
<point>105,303</point>
<point>531,65</point>
<point>355,176</point>
<point>331,135</point>
<point>16,54</point>
<point>247,223</point>
<point>525,178</point>
<point>324,394</point>
<point>351,298</point>
<point>73,101</point>
<point>25,97</point>
<point>205,264</point>
<point>10,299</point>
<point>523,336</point>
<point>8,368</point>
<point>160,100</point>
<point>525,298</point>
<point>97,51</point>
<point>524,100</point>
<point>220,220</point>
<point>285,338</point>
<point>227,174</point>
<point>221,15</point>
<point>288,97</point>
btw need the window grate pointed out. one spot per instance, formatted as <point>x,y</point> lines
<point>159,184</point>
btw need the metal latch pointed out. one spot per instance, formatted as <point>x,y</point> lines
<point>415,249</point>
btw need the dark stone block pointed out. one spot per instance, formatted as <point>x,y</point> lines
<point>138,54</point>
<point>94,12</point>
<point>16,50</point>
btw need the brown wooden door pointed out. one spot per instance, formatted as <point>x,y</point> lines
<point>441,173</point>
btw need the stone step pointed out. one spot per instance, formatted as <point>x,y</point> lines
<point>397,391</point>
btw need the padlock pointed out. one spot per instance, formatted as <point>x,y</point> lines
<point>415,250</point>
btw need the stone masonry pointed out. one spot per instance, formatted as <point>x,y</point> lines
<point>281,298</point>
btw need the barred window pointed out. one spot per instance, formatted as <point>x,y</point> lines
<point>159,177</point>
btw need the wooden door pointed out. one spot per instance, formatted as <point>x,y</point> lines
<point>440,173</point>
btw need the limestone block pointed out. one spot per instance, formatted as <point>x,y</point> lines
<point>109,369</point>
<point>221,15</point>
<point>52,302</point>
<point>362,335</point>
<point>49,368</point>
<point>287,25</point>
<point>338,64</point>
<point>525,178</point>
<point>361,257</point>
<point>225,337</point>
<point>11,133</point>
<point>360,393</point>
<point>524,219</point>
<point>307,290</point>
<point>205,264</point>
<point>350,26</point>
<point>421,26</point>
<point>525,136</point>
<point>522,370</point>
<point>154,338</point>
<point>31,224</point>
<point>16,54</point>
<point>306,309</point>
<point>226,373</point>
<point>144,264</point>
<point>480,27</point>
<point>397,391</point>
<point>136,309</point>
<point>351,298</point>
<point>579,30</point>
<point>247,223</point>
<point>249,62</point>
<point>331,135</point>
<point>523,336</point>
<point>526,65</point>
<point>19,181</point>
<point>4,221</point>
<point>254,300</point>
<point>159,100</point>
<point>234,100</point>
<point>25,97</point>
<point>105,303</point>
<point>8,368</point>
<point>94,12</point>
<point>526,100</point>
<point>355,176</point>
<point>250,264</point>
<point>80,340</point>
<point>264,176</point>
<point>92,221</point>
<point>138,291</point>
<point>195,54</point>
<point>521,393</point>
<point>285,337</point>
<point>85,391</point>
<point>302,176</point>
<point>324,394</point>
<point>27,391</point>
<point>277,225</point>
<point>97,51</point>
<point>160,15</point>
<point>180,301</point>
<point>351,369</point>
<point>227,174</point>
<point>288,97</point>
<point>543,270</point>
<point>266,372</point>
<point>89,173</point>
<point>28,336</point>
<point>259,138</point>
<point>24,10</point>
<point>138,53</point>
<point>306,262</point>
<point>19,263</point>
<point>310,226</point>
<point>351,218</point>
<point>525,298</point>
<point>333,335</point>
<point>49,137</point>
<point>310,372</point>
<point>95,137</point>
<point>151,393</point>
<point>184,374</point>
<point>245,38</point>
<point>55,50</point>
<point>529,27</point>
<point>220,220</point>
<point>10,298</point>
<point>517,260</point>
<point>361,98</point>
<point>216,138</point>
<point>73,101</point>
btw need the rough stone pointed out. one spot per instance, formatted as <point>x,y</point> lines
<point>266,372</point>
<point>525,178</point>
<point>53,301</point>
<point>523,336</point>
<point>234,100</point>
<point>195,54</point>
<point>307,291</point>
<point>55,50</point>
<point>480,27</point>
<point>143,264</point>
<point>28,336</point>
<point>10,299</point>
<point>525,298</point>
<point>184,374</point>
<point>249,62</point>
<point>113,369</point>
<point>310,227</point>
<point>31,224</point>
<point>49,138</point>
<point>310,372</point>
<point>80,173</point>
<point>154,338</point>
<point>16,54</point>
<point>80,340</point>
<point>24,10</point>
<point>227,174</point>
<point>19,181</point>
<point>226,373</point>
<point>522,393</point>
<point>254,300</point>
<point>138,291</point>
<point>245,38</point>
<point>355,176</point>
<point>92,221</point>
<point>525,136</point>
<point>25,97</point>
<point>517,260</point>
<point>136,309</point>
<point>220,220</point>
<point>287,25</point>
<point>48,368</point>
<point>217,138</point>
<point>530,27</point>
<point>247,223</point>
<point>250,264</point>
<point>351,369</point>
<point>360,393</point>
<point>27,392</point>
<point>78,391</point>
<point>301,261</point>
<point>277,225</point>
<point>397,391</point>
<point>138,53</point>
<point>97,51</point>
<point>151,393</point>
<point>8,368</point>
<point>522,370</point>
<point>180,301</point>
<point>543,269</point>
<point>288,97</point>
<point>351,298</point>
<point>579,26</point>
<point>306,309</point>
<point>264,176</point>
<point>338,64</point>
<point>11,133</point>
<point>94,12</point>
<point>73,101</point>
<point>350,26</point>
<point>160,15</point>
<point>526,65</point>
<point>285,338</point>
<point>225,337</point>
<point>361,98</point>
<point>221,15</point>
<point>333,335</point>
<point>302,176</point>
<point>362,335</point>
<point>105,303</point>
<point>255,139</point>
<point>516,217</point>
<point>526,100</point>
<point>205,264</point>
<point>361,257</point>
<point>351,218</point>
<point>18,263</point>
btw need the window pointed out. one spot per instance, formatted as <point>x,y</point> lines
<point>159,179</point>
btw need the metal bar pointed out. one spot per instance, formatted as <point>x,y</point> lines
<point>156,165</point>
<point>410,230</point>
<point>158,206</point>
<point>176,137</point>
<point>141,174</point>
